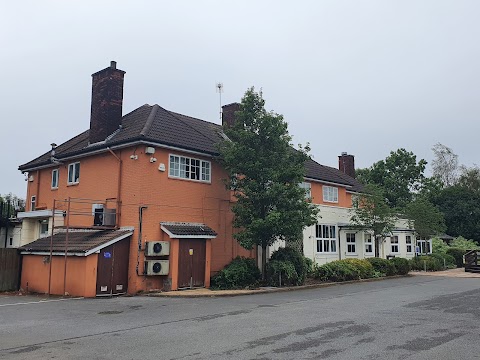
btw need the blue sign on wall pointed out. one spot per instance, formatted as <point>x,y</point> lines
<point>107,255</point>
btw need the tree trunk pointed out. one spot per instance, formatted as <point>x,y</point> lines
<point>264,261</point>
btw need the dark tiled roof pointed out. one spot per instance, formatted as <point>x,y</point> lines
<point>78,241</point>
<point>155,124</point>
<point>179,230</point>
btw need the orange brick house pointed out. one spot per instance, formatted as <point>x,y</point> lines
<point>138,201</point>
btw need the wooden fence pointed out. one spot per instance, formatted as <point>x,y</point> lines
<point>9,269</point>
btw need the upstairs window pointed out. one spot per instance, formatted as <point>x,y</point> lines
<point>351,244</point>
<point>33,203</point>
<point>189,168</point>
<point>54,178</point>
<point>73,173</point>
<point>308,189</point>
<point>394,244</point>
<point>330,194</point>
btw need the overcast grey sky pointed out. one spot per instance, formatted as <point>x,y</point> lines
<point>366,77</point>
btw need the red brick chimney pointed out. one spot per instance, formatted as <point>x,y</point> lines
<point>346,164</point>
<point>107,100</point>
<point>228,114</point>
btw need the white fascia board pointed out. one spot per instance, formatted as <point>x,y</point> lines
<point>173,236</point>
<point>113,241</point>
<point>47,253</point>
<point>328,182</point>
<point>38,214</point>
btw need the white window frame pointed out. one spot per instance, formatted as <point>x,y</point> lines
<point>351,242</point>
<point>308,189</point>
<point>72,170</point>
<point>33,202</point>
<point>395,244</point>
<point>330,194</point>
<point>326,238</point>
<point>180,167</point>
<point>55,178</point>
<point>368,244</point>
<point>409,244</point>
<point>42,223</point>
<point>424,241</point>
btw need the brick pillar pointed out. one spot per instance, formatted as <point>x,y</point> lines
<point>228,114</point>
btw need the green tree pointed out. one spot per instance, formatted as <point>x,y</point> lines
<point>371,212</point>
<point>470,178</point>
<point>400,175</point>
<point>425,217</point>
<point>461,209</point>
<point>464,244</point>
<point>265,172</point>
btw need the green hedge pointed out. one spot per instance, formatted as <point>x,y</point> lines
<point>364,267</point>
<point>402,266</point>
<point>445,260</point>
<point>457,254</point>
<point>239,274</point>
<point>293,256</point>
<point>431,263</point>
<point>281,273</point>
<point>339,270</point>
<point>383,266</point>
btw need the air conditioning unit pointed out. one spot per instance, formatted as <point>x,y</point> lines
<point>157,248</point>
<point>157,267</point>
<point>104,217</point>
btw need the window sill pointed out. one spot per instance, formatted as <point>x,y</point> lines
<point>73,184</point>
<point>190,180</point>
<point>54,188</point>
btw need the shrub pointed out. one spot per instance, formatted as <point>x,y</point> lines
<point>364,267</point>
<point>339,270</point>
<point>402,266</point>
<point>281,272</point>
<point>462,243</point>
<point>432,263</point>
<point>383,266</point>
<point>444,259</point>
<point>309,266</point>
<point>240,273</point>
<point>457,254</point>
<point>297,259</point>
<point>439,246</point>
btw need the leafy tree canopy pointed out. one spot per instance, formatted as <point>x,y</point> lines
<point>400,175</point>
<point>445,164</point>
<point>265,172</point>
<point>427,219</point>
<point>461,210</point>
<point>370,211</point>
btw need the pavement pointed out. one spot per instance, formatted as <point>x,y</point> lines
<point>202,292</point>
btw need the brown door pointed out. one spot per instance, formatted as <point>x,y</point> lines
<point>104,271</point>
<point>112,270</point>
<point>191,263</point>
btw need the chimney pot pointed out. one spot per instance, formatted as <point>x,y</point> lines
<point>113,64</point>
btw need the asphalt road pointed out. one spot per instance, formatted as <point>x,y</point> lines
<point>406,318</point>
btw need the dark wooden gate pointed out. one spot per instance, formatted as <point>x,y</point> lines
<point>9,269</point>
<point>191,263</point>
<point>112,269</point>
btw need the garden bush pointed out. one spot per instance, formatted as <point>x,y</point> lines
<point>432,263</point>
<point>445,260</point>
<point>402,266</point>
<point>309,266</point>
<point>339,270</point>
<point>364,267</point>
<point>293,256</point>
<point>281,272</point>
<point>383,266</point>
<point>457,255</point>
<point>240,273</point>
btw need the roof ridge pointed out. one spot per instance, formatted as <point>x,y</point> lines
<point>194,118</point>
<point>150,119</point>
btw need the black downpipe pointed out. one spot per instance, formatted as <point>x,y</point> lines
<point>140,223</point>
